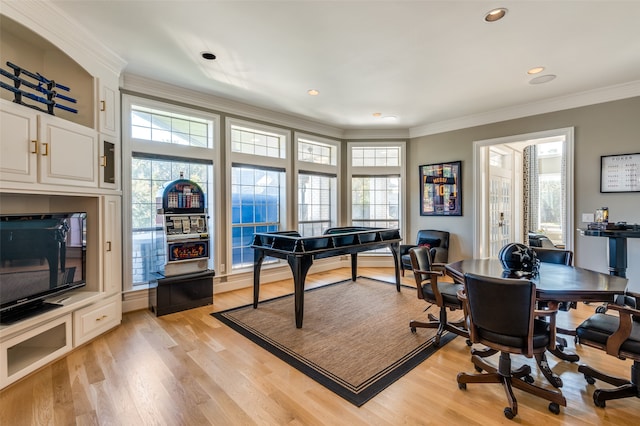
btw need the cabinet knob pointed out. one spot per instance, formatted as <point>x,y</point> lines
<point>35,147</point>
<point>103,106</point>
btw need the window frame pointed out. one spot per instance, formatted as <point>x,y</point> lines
<point>163,149</point>
<point>319,169</point>
<point>399,170</point>
<point>258,161</point>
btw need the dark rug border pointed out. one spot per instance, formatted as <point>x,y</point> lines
<point>357,398</point>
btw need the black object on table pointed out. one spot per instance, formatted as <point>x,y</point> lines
<point>299,252</point>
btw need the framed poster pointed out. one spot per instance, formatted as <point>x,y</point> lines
<point>620,173</point>
<point>441,189</point>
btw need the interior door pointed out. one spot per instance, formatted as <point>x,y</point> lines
<point>501,190</point>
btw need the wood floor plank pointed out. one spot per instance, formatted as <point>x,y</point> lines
<point>188,368</point>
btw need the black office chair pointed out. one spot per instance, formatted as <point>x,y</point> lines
<point>502,315</point>
<point>561,257</point>
<point>436,241</point>
<point>443,294</point>
<point>619,336</point>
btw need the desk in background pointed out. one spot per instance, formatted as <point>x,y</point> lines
<point>617,246</point>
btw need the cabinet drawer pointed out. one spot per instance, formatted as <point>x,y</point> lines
<point>93,320</point>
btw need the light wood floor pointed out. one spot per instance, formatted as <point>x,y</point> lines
<point>189,369</point>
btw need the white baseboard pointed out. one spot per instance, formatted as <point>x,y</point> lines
<point>139,299</point>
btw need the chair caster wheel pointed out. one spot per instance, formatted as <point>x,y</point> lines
<point>597,401</point>
<point>462,386</point>
<point>561,342</point>
<point>554,407</point>
<point>508,413</point>
<point>589,379</point>
<point>413,330</point>
<point>601,309</point>
<point>468,342</point>
<point>560,347</point>
<point>528,379</point>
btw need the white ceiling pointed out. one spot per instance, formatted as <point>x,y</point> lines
<point>422,61</point>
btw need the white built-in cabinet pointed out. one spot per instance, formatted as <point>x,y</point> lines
<point>112,245</point>
<point>39,148</point>
<point>109,108</point>
<point>59,163</point>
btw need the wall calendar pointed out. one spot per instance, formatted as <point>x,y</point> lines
<point>620,173</point>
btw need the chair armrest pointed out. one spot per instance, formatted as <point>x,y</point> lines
<point>550,311</point>
<point>624,328</point>
<point>432,273</point>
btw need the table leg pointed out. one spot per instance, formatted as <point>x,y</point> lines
<point>299,268</point>
<point>354,266</point>
<point>258,257</point>
<point>396,262</point>
<point>618,256</point>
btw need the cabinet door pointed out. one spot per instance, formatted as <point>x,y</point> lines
<point>112,264</point>
<point>68,153</point>
<point>108,108</point>
<point>18,143</point>
<point>109,162</point>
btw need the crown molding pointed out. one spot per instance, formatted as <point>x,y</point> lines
<point>576,100</point>
<point>376,134</point>
<point>49,22</point>
<point>147,86</point>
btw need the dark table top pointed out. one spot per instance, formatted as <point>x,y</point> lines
<point>630,232</point>
<point>554,282</point>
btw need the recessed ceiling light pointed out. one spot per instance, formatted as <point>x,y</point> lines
<point>208,56</point>
<point>495,14</point>
<point>377,114</point>
<point>390,118</point>
<point>535,70</point>
<point>542,79</point>
<point>313,92</point>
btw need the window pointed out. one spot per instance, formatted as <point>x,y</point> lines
<point>377,184</point>
<point>166,127</point>
<point>317,196</point>
<point>163,142</point>
<point>258,185</point>
<point>255,206</point>
<point>148,176</point>
<point>550,212</point>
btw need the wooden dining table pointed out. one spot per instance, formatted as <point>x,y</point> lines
<point>554,283</point>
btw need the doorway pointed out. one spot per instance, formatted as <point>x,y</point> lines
<point>523,183</point>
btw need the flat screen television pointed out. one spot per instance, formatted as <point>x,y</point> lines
<point>41,255</point>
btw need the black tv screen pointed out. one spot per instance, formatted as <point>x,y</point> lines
<point>41,255</point>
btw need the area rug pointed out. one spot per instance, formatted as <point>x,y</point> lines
<point>355,338</point>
